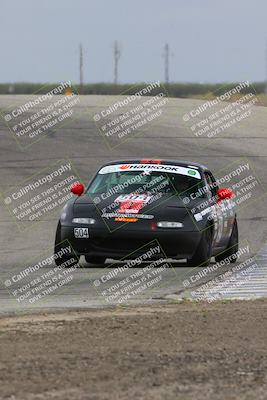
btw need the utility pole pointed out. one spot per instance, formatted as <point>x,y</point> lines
<point>266,67</point>
<point>166,62</point>
<point>117,54</point>
<point>81,69</point>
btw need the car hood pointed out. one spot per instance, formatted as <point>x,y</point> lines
<point>146,209</point>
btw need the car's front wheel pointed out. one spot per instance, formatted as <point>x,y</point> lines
<point>232,247</point>
<point>62,254</point>
<point>202,254</point>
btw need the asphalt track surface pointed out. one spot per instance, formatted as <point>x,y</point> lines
<point>80,141</point>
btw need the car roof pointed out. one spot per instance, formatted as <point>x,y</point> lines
<point>162,161</point>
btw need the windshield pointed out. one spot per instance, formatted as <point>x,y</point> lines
<point>125,182</point>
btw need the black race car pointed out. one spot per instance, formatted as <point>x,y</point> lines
<point>130,203</point>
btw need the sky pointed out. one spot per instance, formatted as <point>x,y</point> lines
<point>209,40</point>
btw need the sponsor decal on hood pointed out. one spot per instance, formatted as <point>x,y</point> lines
<point>117,215</point>
<point>132,203</point>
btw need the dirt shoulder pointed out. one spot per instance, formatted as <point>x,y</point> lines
<point>178,351</point>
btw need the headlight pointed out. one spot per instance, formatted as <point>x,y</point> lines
<point>88,221</point>
<point>169,224</point>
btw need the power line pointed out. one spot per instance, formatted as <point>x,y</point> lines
<point>265,67</point>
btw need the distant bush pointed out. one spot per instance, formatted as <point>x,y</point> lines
<point>182,90</point>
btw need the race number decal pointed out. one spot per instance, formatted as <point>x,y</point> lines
<point>81,233</point>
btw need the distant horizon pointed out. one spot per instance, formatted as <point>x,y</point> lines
<point>133,83</point>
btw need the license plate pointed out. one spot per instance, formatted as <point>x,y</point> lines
<point>81,233</point>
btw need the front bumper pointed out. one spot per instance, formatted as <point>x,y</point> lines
<point>174,243</point>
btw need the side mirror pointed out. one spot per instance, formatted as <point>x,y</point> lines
<point>224,194</point>
<point>77,189</point>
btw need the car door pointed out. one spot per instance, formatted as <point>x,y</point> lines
<point>222,213</point>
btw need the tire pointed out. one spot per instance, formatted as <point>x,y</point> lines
<point>64,259</point>
<point>231,248</point>
<point>202,254</point>
<point>95,260</point>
